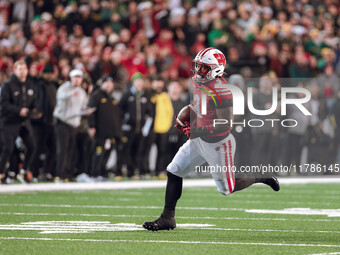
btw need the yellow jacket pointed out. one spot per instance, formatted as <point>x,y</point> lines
<point>164,113</point>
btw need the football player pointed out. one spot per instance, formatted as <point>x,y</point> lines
<point>212,144</point>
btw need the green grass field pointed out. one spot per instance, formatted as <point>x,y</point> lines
<point>109,222</point>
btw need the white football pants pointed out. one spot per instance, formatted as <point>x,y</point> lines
<point>219,156</point>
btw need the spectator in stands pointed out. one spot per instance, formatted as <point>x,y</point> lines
<point>23,11</point>
<point>329,84</point>
<point>300,67</point>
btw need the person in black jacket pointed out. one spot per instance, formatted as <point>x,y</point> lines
<point>137,122</point>
<point>17,104</point>
<point>84,143</point>
<point>43,127</point>
<point>104,124</point>
<point>175,138</point>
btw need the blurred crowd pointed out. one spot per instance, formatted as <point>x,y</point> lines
<point>295,43</point>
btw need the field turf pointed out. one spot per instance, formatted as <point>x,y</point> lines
<point>109,222</point>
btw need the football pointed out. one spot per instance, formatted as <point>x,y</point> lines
<point>186,114</point>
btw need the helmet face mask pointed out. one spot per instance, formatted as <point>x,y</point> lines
<point>208,65</point>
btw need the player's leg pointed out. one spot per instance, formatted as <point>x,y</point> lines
<point>172,193</point>
<point>180,166</point>
<point>224,177</point>
<point>240,180</point>
<point>220,157</point>
<point>244,180</point>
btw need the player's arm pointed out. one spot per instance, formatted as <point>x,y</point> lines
<point>226,116</point>
<point>222,125</point>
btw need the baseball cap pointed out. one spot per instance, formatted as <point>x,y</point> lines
<point>137,76</point>
<point>76,72</point>
<point>48,69</point>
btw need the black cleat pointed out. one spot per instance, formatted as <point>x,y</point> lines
<point>272,182</point>
<point>160,224</point>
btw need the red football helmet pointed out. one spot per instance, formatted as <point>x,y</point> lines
<point>208,64</point>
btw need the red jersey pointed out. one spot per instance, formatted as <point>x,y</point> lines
<point>209,97</point>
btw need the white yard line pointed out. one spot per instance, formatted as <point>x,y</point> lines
<point>295,196</point>
<point>274,230</point>
<point>106,227</point>
<point>14,188</point>
<point>150,216</point>
<point>331,253</point>
<point>171,242</point>
<point>298,211</point>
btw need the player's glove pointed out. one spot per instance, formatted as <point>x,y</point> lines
<point>179,127</point>
<point>194,132</point>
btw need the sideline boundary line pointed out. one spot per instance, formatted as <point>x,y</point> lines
<point>47,187</point>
